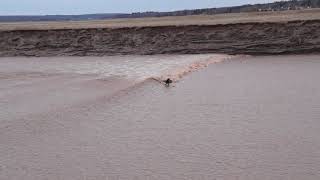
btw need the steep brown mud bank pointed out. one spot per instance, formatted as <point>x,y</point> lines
<point>295,37</point>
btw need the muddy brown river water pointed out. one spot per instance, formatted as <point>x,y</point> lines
<point>242,118</point>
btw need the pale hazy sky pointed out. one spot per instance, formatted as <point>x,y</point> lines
<point>43,7</point>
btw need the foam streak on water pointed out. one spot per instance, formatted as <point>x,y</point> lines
<point>128,67</point>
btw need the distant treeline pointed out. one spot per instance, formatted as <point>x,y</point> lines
<point>275,6</point>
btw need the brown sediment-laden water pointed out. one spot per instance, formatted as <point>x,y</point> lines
<point>94,118</point>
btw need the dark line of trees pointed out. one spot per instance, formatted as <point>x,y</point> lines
<point>275,6</point>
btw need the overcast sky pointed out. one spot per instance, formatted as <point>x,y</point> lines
<point>44,7</point>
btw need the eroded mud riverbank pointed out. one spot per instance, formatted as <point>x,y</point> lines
<point>295,37</point>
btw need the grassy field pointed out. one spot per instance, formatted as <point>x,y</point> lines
<point>283,16</point>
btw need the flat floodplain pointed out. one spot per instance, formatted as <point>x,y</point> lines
<point>233,18</point>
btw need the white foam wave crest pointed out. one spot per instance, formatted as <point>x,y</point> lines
<point>179,72</point>
<point>133,68</point>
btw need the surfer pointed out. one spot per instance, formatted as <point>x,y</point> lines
<point>168,82</point>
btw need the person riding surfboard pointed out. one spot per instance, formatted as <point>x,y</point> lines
<point>168,82</point>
